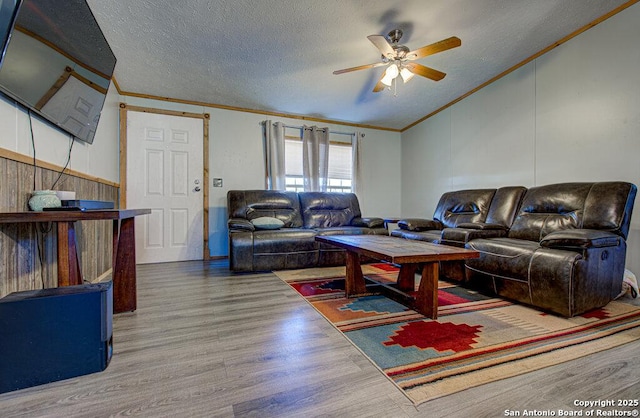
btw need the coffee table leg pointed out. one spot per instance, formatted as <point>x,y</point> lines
<point>427,298</point>
<point>354,282</point>
<point>407,277</point>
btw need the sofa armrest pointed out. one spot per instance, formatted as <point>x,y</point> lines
<point>416,224</point>
<point>368,222</point>
<point>481,226</point>
<point>459,236</point>
<point>240,224</point>
<point>580,238</point>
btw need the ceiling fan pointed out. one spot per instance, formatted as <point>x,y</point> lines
<point>398,58</point>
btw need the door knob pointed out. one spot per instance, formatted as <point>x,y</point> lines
<point>197,189</point>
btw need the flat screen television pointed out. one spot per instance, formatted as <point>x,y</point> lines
<point>8,12</point>
<point>56,62</point>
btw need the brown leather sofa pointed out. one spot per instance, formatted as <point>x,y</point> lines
<point>463,215</point>
<point>291,243</point>
<point>562,251</point>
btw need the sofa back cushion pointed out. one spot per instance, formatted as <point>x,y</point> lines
<point>325,210</point>
<point>609,206</point>
<point>505,205</point>
<point>463,206</point>
<point>603,206</point>
<point>252,204</point>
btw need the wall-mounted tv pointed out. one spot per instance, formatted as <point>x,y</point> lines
<point>8,12</point>
<point>57,62</point>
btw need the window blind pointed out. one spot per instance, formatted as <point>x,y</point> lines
<point>339,159</point>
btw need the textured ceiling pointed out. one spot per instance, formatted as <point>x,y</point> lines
<point>279,55</point>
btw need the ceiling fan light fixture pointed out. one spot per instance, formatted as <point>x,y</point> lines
<point>406,74</point>
<point>390,74</point>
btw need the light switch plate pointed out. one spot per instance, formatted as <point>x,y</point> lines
<point>217,182</point>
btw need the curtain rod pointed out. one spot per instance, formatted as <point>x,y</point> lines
<point>331,132</point>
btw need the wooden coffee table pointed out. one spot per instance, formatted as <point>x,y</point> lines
<point>408,254</point>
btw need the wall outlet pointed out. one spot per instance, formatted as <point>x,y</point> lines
<point>217,182</point>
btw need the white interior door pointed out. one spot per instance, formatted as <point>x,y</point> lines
<point>164,173</point>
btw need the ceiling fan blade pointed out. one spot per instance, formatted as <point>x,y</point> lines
<point>361,67</point>
<point>379,86</point>
<point>423,71</point>
<point>434,48</point>
<point>383,45</point>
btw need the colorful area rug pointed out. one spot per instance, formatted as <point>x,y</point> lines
<point>475,340</point>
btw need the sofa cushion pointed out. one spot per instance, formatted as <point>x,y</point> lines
<point>251,204</point>
<point>603,206</point>
<point>504,257</point>
<point>504,205</point>
<point>550,208</point>
<point>325,210</point>
<point>461,206</point>
<point>265,222</point>
<point>286,240</point>
<point>616,214</point>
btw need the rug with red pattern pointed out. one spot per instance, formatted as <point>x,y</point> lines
<point>475,340</point>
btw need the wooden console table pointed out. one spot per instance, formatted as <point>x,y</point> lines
<point>124,248</point>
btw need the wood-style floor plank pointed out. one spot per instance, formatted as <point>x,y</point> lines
<point>208,343</point>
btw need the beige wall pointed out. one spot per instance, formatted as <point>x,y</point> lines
<point>99,159</point>
<point>573,114</point>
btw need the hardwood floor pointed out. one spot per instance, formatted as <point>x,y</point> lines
<point>208,343</point>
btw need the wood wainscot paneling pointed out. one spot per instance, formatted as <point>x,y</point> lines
<point>28,252</point>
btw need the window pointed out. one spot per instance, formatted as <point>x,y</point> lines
<point>340,162</point>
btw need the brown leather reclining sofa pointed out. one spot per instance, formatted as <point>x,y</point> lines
<point>559,247</point>
<point>288,242</point>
